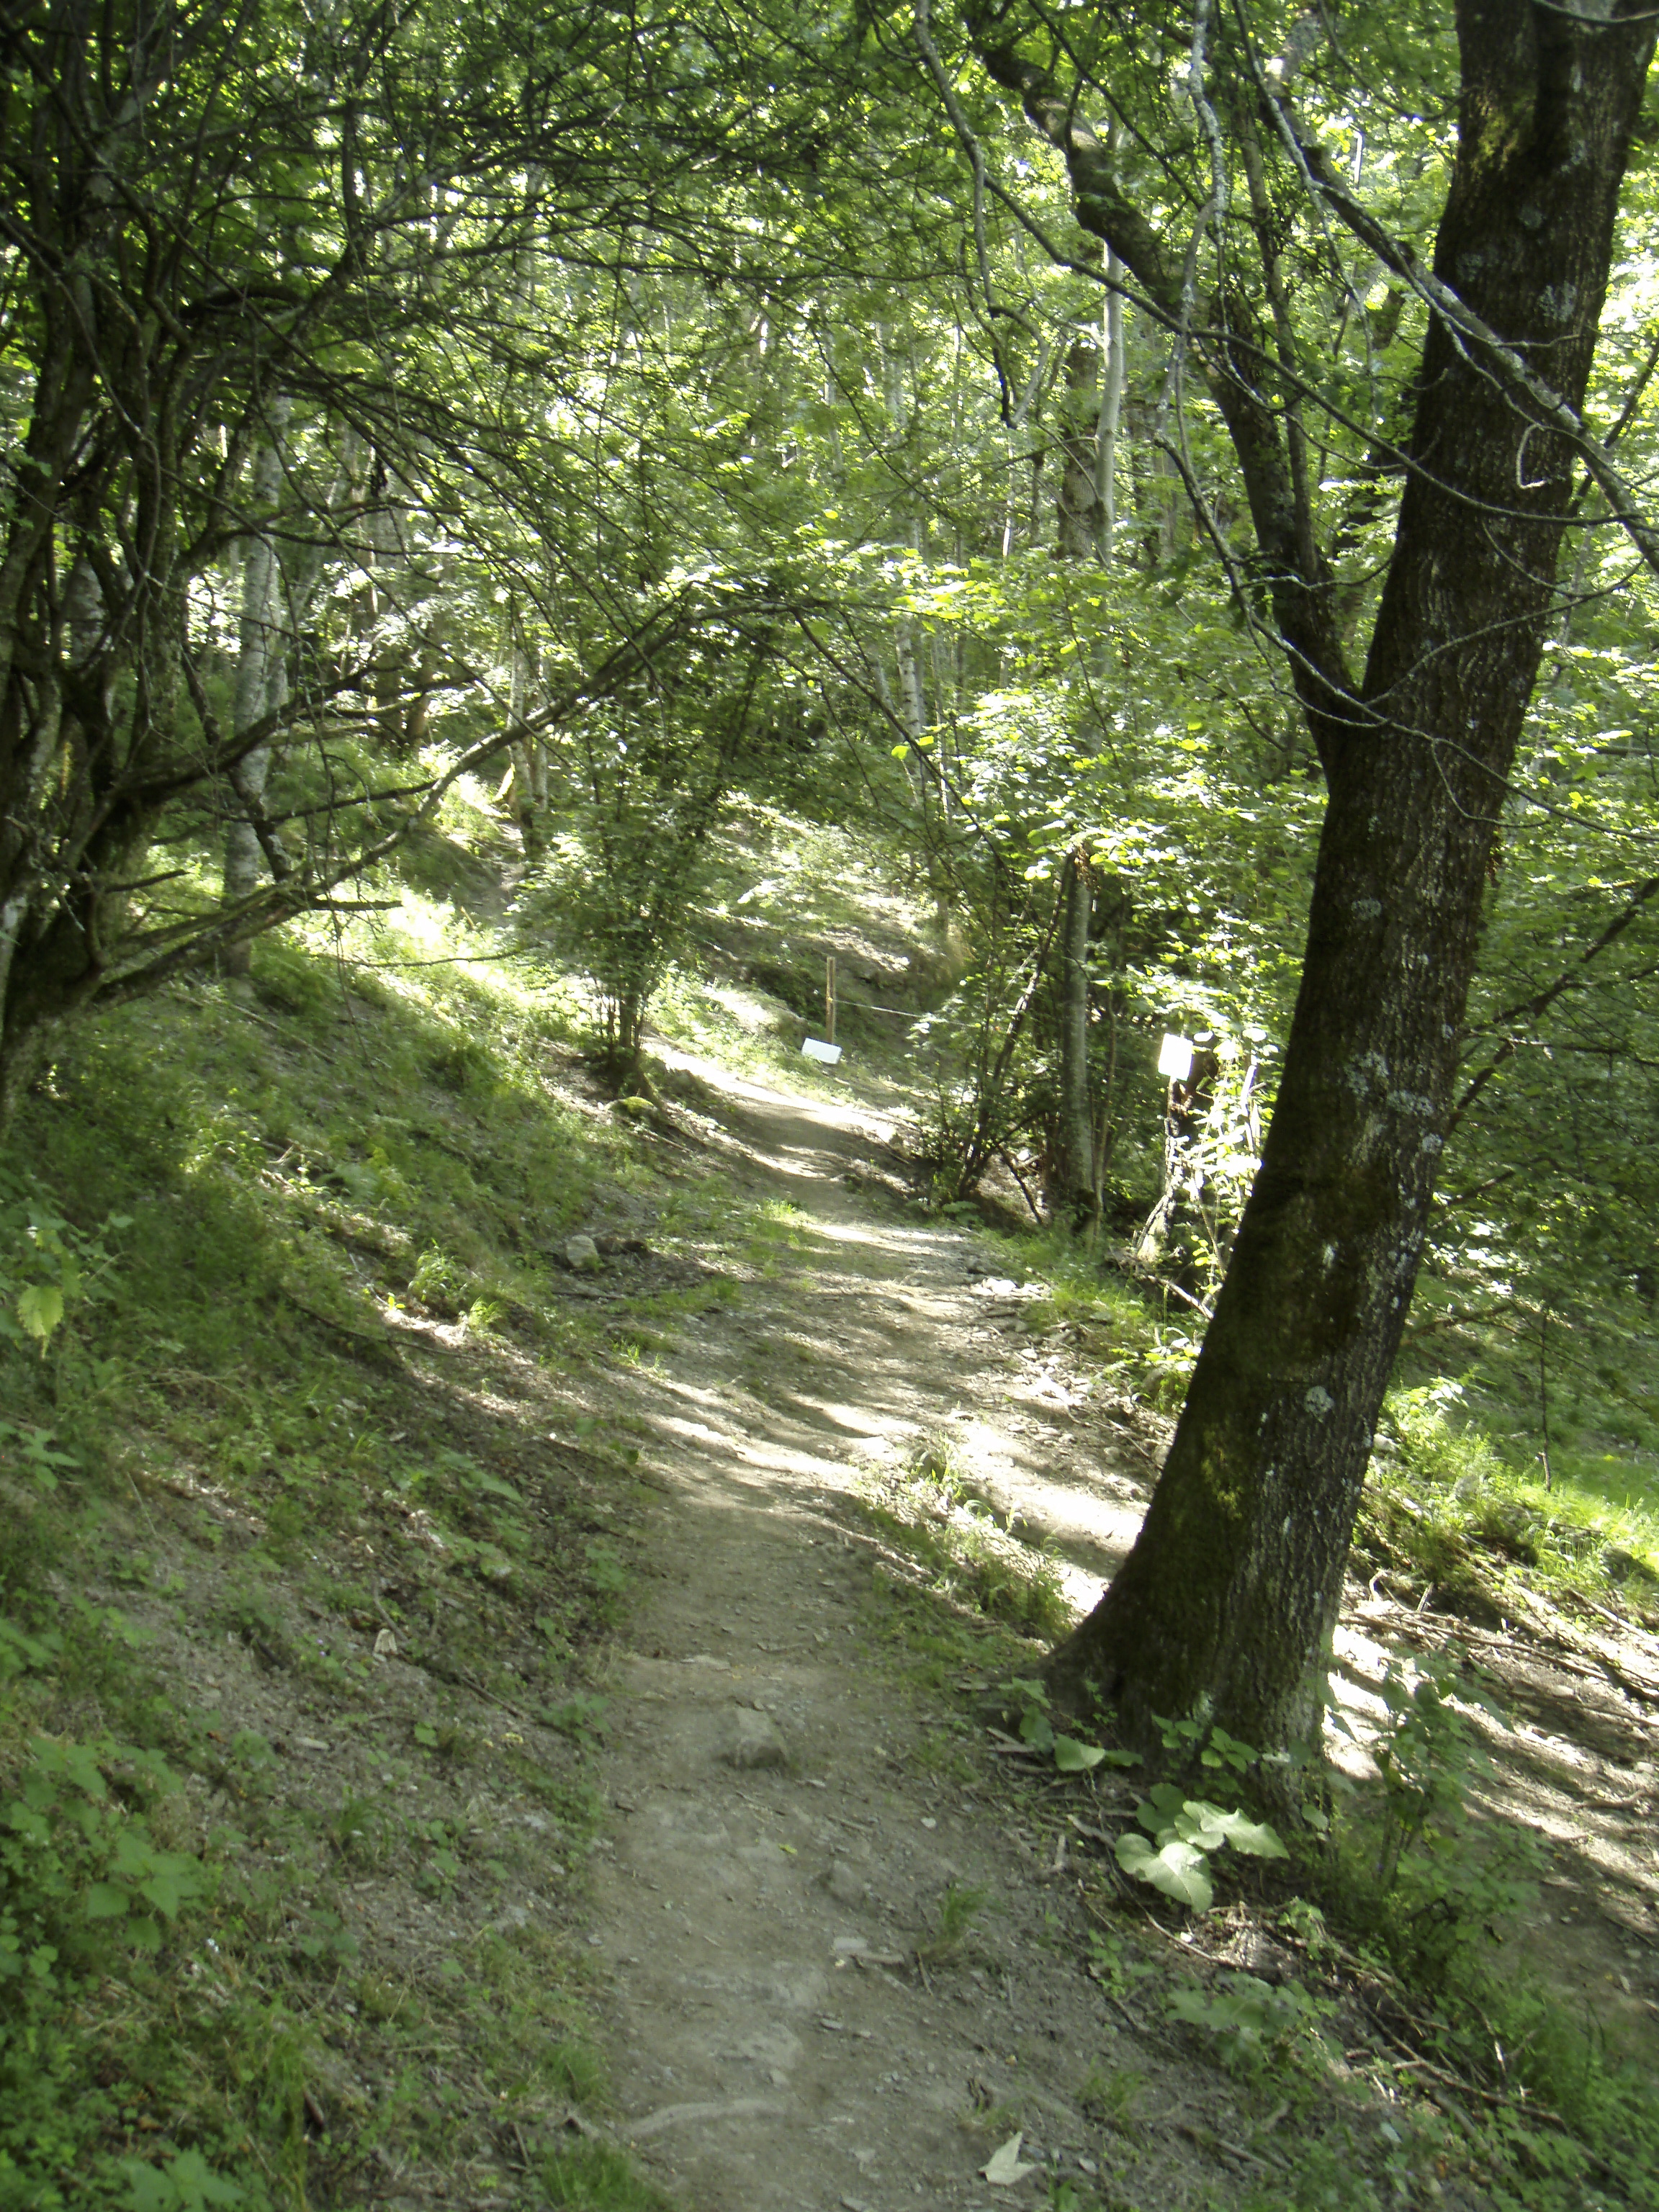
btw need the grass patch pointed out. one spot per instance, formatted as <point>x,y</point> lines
<point>1448,1507</point>
<point>964,1557</point>
<point>299,1560</point>
<point>595,2178</point>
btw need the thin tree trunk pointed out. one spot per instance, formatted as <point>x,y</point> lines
<point>1077,509</point>
<point>261,674</point>
<point>1075,1162</point>
<point>528,792</point>
<point>1111,410</point>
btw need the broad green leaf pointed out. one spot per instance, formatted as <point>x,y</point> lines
<point>1255,1837</point>
<point>1161,1807</point>
<point>40,1307</point>
<point>1210,1827</point>
<point>164,1892</point>
<point>1202,1825</point>
<point>1037,1730</point>
<point>1176,1868</point>
<point>1072,1757</point>
<point>102,1900</point>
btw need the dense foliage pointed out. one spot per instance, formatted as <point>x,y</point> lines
<point>992,430</point>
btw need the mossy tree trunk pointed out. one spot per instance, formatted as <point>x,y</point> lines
<point>1233,1585</point>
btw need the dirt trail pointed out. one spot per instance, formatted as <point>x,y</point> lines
<point>790,1824</point>
<point>774,2043</point>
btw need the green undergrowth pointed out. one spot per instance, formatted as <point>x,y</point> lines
<point>1365,1984</point>
<point>312,1502</point>
<point>1454,1510</point>
<point>1460,1495</point>
<point>783,895</point>
<point>1418,2053</point>
<point>1127,1331</point>
<point>960,1553</point>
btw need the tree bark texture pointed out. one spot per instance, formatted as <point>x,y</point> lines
<point>1228,1598</point>
<point>1078,508</point>
<point>1075,1166</point>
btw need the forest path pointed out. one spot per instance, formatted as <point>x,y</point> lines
<point>773,2042</point>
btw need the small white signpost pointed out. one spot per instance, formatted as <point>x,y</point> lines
<point>817,1048</point>
<point>1175,1060</point>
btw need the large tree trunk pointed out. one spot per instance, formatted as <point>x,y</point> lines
<point>1225,1602</point>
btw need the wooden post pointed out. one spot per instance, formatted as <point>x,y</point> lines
<point>830,998</point>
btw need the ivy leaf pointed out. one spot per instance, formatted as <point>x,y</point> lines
<point>1005,2166</point>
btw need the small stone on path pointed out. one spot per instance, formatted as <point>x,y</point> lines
<point>582,1254</point>
<point>843,1884</point>
<point>752,1740</point>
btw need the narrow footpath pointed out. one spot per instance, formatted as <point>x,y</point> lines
<point>791,1825</point>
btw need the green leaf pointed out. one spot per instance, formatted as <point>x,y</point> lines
<point>18,1650</point>
<point>164,1892</point>
<point>1037,1730</point>
<point>1072,1757</point>
<point>186,2183</point>
<point>1200,1825</point>
<point>102,1900</point>
<point>1176,1868</point>
<point>1161,1807</point>
<point>40,1307</point>
<point>1255,1837</point>
<point>1027,1688</point>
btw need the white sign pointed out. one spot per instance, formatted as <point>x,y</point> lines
<point>1175,1060</point>
<point>815,1048</point>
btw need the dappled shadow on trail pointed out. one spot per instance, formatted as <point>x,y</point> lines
<point>881,1341</point>
<point>779,2041</point>
<point>774,2046</point>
